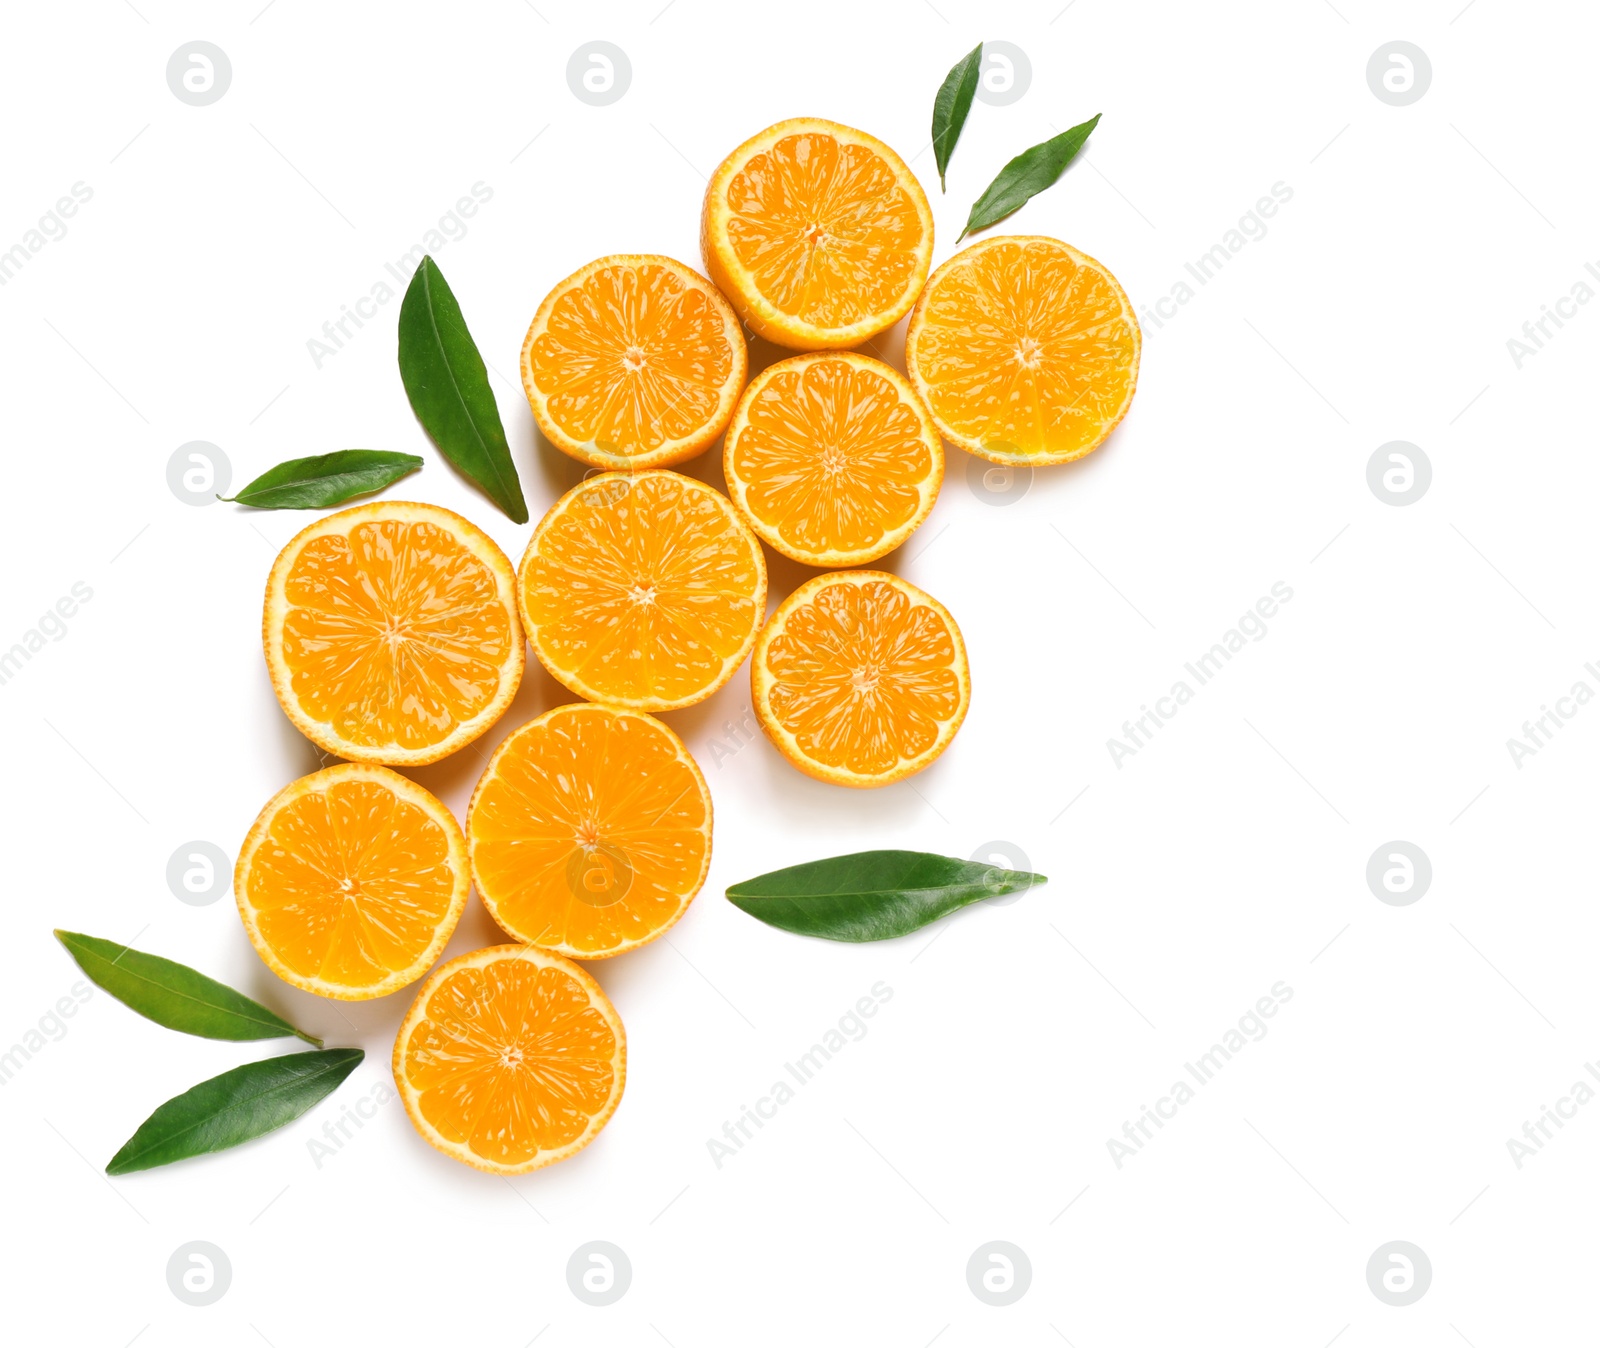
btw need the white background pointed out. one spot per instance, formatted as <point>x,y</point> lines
<point>1222,858</point>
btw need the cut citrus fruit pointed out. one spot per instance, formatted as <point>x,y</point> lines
<point>510,1058</point>
<point>832,458</point>
<point>633,362</point>
<point>819,234</point>
<point>642,590</point>
<point>860,678</point>
<point>590,831</point>
<point>391,632</point>
<point>351,881</point>
<point>1025,350</point>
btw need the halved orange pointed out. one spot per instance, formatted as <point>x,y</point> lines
<point>818,233</point>
<point>832,459</point>
<point>590,831</point>
<point>351,881</point>
<point>860,678</point>
<point>510,1058</point>
<point>391,632</point>
<point>633,361</point>
<point>1025,350</point>
<point>642,590</point>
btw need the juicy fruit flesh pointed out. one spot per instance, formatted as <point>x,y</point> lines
<point>643,589</point>
<point>832,457</point>
<point>350,883</point>
<point>1026,351</point>
<point>395,635</point>
<point>862,677</point>
<point>826,230</point>
<point>632,358</point>
<point>591,832</point>
<point>510,1059</point>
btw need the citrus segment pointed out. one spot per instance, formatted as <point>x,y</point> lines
<point>1025,350</point>
<point>832,459</point>
<point>633,362</point>
<point>391,632</point>
<point>642,590</point>
<point>590,831</point>
<point>510,1059</point>
<point>818,233</point>
<point>860,678</point>
<point>351,881</point>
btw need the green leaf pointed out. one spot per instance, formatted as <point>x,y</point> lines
<point>872,896</point>
<point>951,105</point>
<point>234,1107</point>
<point>448,385</point>
<point>325,479</point>
<point>1026,176</point>
<point>173,994</point>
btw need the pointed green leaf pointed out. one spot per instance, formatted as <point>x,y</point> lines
<point>872,896</point>
<point>234,1107</point>
<point>1026,176</point>
<point>175,995</point>
<point>448,385</point>
<point>951,105</point>
<point>325,479</point>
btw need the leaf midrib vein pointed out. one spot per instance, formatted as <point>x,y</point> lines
<point>130,972</point>
<point>308,1078</point>
<point>455,385</point>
